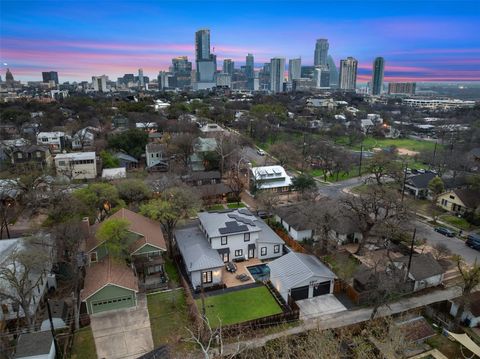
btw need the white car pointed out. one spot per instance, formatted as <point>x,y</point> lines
<point>261,152</point>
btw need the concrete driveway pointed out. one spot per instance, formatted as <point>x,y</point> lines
<point>123,333</point>
<point>319,306</point>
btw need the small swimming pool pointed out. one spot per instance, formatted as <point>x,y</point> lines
<point>260,272</point>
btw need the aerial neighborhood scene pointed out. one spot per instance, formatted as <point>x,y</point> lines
<point>235,180</point>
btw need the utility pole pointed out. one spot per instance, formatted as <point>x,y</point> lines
<point>411,254</point>
<point>404,180</point>
<point>57,350</point>
<point>434,156</point>
<point>361,156</point>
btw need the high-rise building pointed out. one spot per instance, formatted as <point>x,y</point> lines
<point>333,72</point>
<point>348,74</point>
<point>228,66</point>
<point>377,76</point>
<point>322,77</point>
<point>48,76</point>
<point>205,61</point>
<point>141,80</point>
<point>224,80</point>
<point>277,69</point>
<point>202,44</point>
<point>307,72</point>
<point>181,70</point>
<point>165,80</point>
<point>402,88</point>
<point>100,83</point>
<point>294,69</point>
<point>249,66</point>
<point>9,77</point>
<point>321,52</point>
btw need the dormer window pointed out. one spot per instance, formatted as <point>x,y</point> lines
<point>246,237</point>
<point>223,240</point>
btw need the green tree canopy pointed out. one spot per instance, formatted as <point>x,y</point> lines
<point>133,191</point>
<point>108,160</point>
<point>99,198</point>
<point>115,235</point>
<point>132,142</point>
<point>436,186</point>
<point>175,204</point>
<point>304,182</point>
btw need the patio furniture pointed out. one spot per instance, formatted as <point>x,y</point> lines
<point>231,267</point>
<point>242,277</point>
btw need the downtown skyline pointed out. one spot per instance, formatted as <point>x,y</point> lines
<point>84,39</point>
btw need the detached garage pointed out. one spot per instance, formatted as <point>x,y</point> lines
<point>109,286</point>
<point>301,276</point>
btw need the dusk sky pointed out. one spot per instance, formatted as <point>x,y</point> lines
<point>420,40</point>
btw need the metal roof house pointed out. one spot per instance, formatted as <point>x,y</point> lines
<point>301,276</point>
<point>220,237</point>
<point>273,178</point>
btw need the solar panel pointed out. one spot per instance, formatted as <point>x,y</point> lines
<point>245,212</point>
<point>232,227</point>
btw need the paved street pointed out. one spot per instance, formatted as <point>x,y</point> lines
<point>335,190</point>
<point>255,159</point>
<point>456,245</point>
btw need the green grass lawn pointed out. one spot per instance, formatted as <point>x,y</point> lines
<point>455,221</point>
<point>171,270</point>
<point>241,306</point>
<point>83,344</point>
<point>333,178</point>
<point>216,207</point>
<point>168,316</point>
<point>370,143</point>
<point>235,205</point>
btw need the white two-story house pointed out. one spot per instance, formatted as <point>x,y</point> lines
<point>77,165</point>
<point>224,236</point>
<point>55,140</point>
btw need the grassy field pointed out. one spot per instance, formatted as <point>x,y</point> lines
<point>241,306</point>
<point>333,178</point>
<point>83,344</point>
<point>168,316</point>
<point>370,143</point>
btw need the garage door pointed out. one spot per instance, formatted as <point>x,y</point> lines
<point>321,289</point>
<point>299,293</point>
<point>112,304</point>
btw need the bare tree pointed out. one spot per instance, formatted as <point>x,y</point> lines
<point>23,275</point>
<point>227,146</point>
<point>378,209</point>
<point>441,251</point>
<point>470,279</point>
<point>184,146</point>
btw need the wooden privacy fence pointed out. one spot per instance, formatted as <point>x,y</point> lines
<point>290,241</point>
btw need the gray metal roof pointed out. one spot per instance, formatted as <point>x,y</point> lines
<point>195,249</point>
<point>34,344</point>
<point>294,267</point>
<point>213,222</point>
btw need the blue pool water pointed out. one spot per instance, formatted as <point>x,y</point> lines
<point>260,272</point>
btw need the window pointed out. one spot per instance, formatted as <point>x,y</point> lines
<point>93,257</point>
<point>207,277</point>
<point>61,163</point>
<point>239,253</point>
<point>276,248</point>
<point>19,155</point>
<point>263,251</point>
<point>223,240</point>
<point>246,237</point>
<point>452,197</point>
<point>39,154</point>
<point>44,139</point>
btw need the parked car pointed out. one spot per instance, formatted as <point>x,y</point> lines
<point>473,241</point>
<point>264,214</point>
<point>231,267</point>
<point>261,152</point>
<point>445,231</point>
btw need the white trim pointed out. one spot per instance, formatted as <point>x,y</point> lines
<point>150,244</point>
<point>116,285</point>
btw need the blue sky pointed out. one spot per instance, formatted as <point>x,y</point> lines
<point>420,40</point>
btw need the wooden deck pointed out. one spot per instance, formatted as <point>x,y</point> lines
<point>229,278</point>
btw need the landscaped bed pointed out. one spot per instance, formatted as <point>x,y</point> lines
<point>83,344</point>
<point>458,222</point>
<point>234,205</point>
<point>239,306</point>
<point>168,316</point>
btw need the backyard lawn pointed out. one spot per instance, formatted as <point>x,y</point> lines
<point>234,205</point>
<point>172,271</point>
<point>449,348</point>
<point>239,306</point>
<point>168,316</point>
<point>83,344</point>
